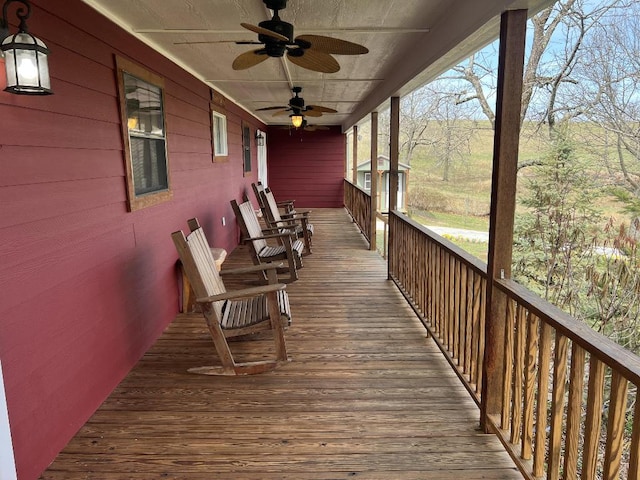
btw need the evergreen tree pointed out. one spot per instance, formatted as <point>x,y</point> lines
<point>555,236</point>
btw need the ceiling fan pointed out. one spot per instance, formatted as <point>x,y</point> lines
<point>313,52</point>
<point>297,107</point>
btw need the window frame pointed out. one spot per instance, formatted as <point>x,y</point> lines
<point>247,159</point>
<point>147,199</point>
<point>219,151</point>
<point>367,179</point>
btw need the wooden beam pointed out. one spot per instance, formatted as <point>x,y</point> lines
<point>374,179</point>
<point>394,153</point>
<point>503,200</point>
<point>354,156</point>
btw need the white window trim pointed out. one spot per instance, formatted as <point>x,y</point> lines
<point>223,149</point>
<point>367,179</point>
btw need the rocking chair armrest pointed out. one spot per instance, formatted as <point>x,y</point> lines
<point>270,229</point>
<point>284,203</point>
<point>295,216</point>
<point>266,237</point>
<point>289,222</point>
<point>245,292</point>
<point>252,268</point>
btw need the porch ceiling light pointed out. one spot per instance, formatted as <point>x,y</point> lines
<point>296,120</point>
<point>25,56</point>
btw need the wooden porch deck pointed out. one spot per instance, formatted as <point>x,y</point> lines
<point>366,395</point>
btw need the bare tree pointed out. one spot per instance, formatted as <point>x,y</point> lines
<point>452,129</point>
<point>549,74</point>
<point>610,78</point>
<point>417,111</point>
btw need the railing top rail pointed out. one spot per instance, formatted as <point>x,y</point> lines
<point>356,186</point>
<point>476,264</point>
<point>606,350</point>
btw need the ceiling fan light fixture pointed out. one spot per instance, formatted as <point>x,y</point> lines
<point>296,120</point>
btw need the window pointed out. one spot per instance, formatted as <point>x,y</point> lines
<point>367,180</point>
<point>219,134</point>
<point>145,141</point>
<point>246,147</point>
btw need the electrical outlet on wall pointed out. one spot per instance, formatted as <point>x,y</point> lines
<point>224,222</point>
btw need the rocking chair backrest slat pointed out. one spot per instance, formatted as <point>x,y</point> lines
<point>258,188</point>
<point>252,224</point>
<point>272,207</point>
<point>195,254</point>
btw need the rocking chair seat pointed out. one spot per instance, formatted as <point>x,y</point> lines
<point>252,311</point>
<point>300,231</point>
<point>271,251</point>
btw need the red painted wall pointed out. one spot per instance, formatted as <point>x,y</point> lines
<point>86,286</point>
<point>307,166</point>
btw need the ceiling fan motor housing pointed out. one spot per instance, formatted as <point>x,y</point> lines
<point>276,4</point>
<point>296,102</point>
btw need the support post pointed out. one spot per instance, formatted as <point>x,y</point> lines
<point>394,153</point>
<point>354,156</point>
<point>374,180</point>
<point>503,201</point>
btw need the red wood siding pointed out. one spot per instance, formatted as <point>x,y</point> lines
<point>86,287</point>
<point>307,167</point>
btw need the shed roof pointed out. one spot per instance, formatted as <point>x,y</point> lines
<point>384,164</point>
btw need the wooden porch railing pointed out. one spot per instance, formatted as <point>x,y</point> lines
<point>570,406</point>
<point>358,204</point>
<point>569,401</point>
<point>446,287</point>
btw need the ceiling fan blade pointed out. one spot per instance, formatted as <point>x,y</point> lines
<point>312,113</point>
<point>282,112</point>
<point>271,108</point>
<point>249,59</point>
<point>313,60</point>
<point>320,108</point>
<point>264,31</point>
<point>241,42</point>
<point>323,44</point>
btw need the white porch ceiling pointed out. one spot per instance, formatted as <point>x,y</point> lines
<point>410,42</point>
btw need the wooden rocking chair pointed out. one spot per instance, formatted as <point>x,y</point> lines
<point>286,205</point>
<point>298,222</point>
<point>288,249</point>
<point>236,313</point>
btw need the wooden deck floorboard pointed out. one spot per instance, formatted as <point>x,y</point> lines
<point>366,393</point>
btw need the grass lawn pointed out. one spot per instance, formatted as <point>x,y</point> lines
<point>443,219</point>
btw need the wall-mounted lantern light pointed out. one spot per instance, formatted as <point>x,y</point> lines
<point>25,56</point>
<point>259,138</point>
<point>296,120</point>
